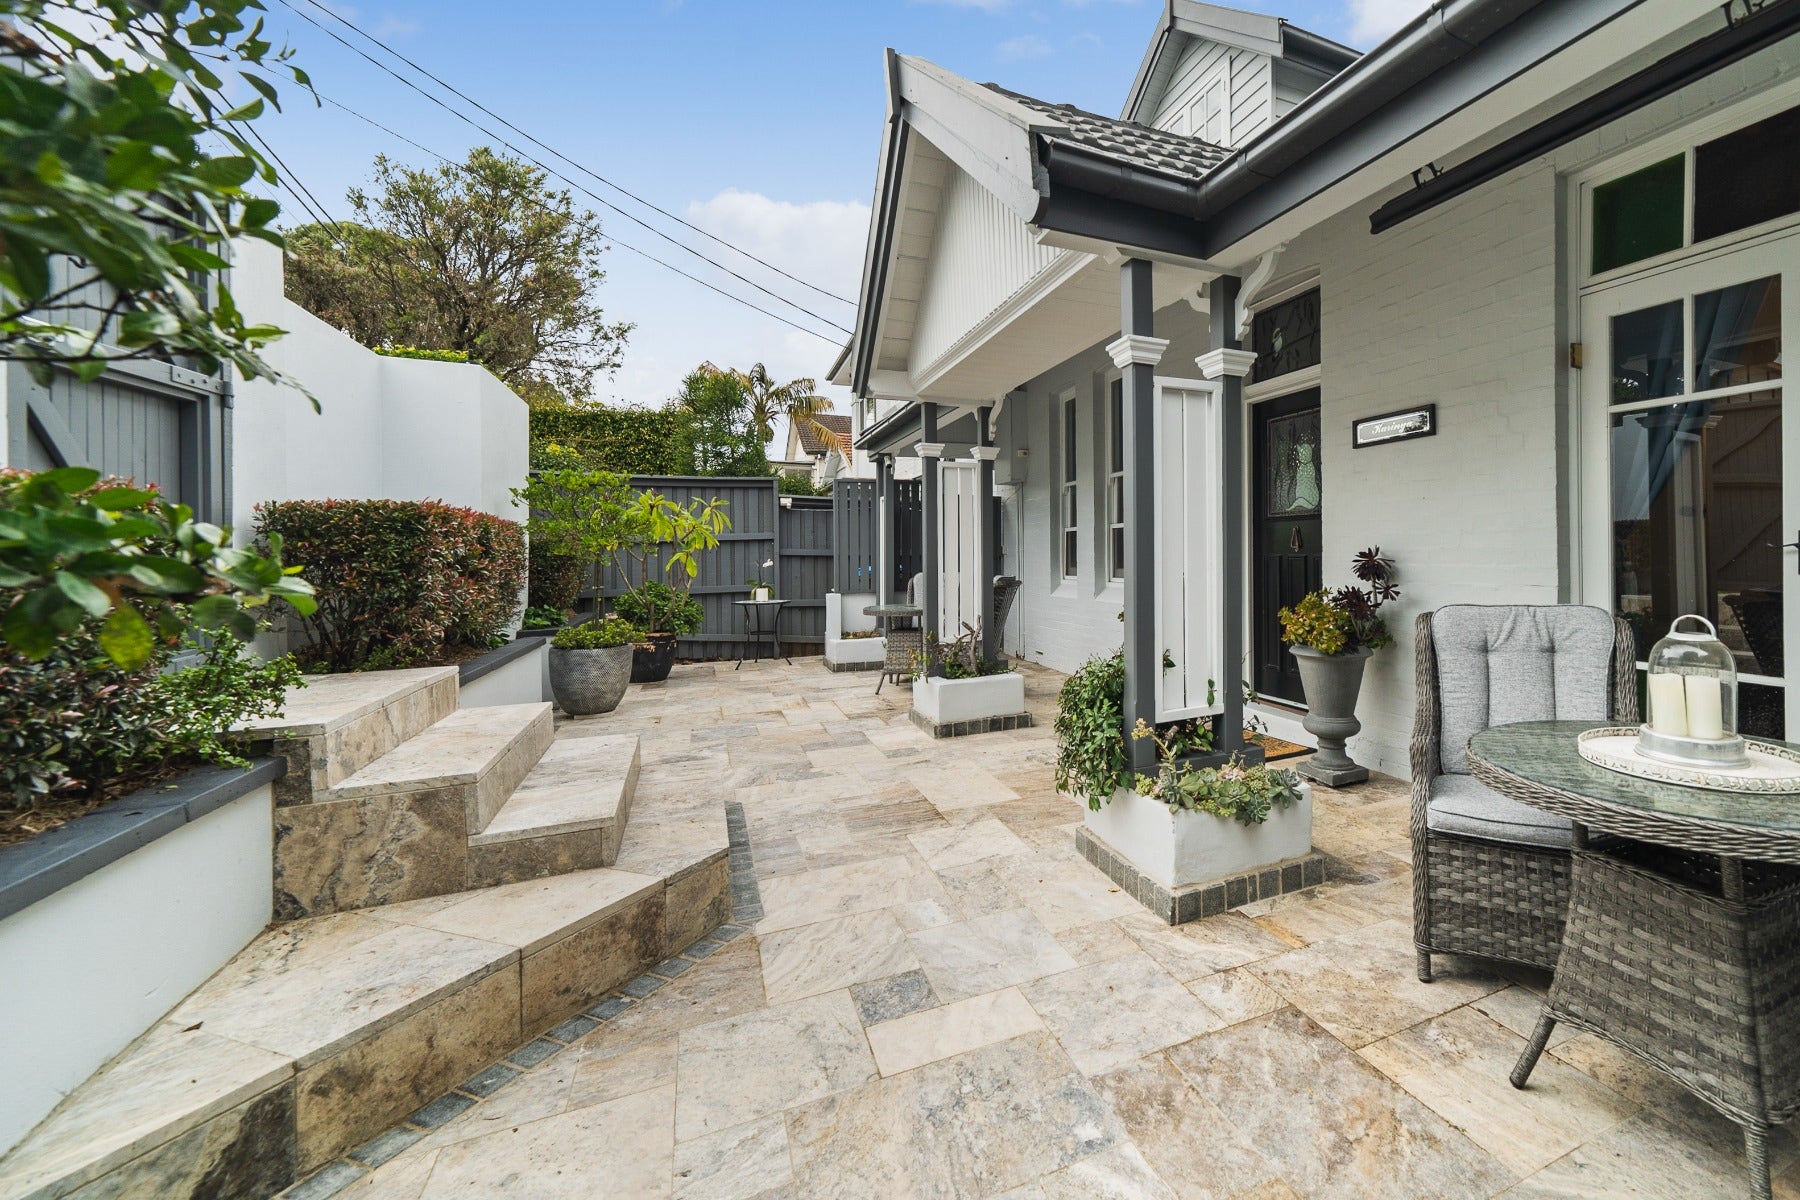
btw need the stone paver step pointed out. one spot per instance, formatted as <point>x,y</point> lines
<point>326,1031</point>
<point>338,724</point>
<point>567,814</point>
<point>485,751</point>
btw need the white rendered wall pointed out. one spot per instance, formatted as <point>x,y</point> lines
<point>390,428</point>
<point>523,680</point>
<point>93,966</point>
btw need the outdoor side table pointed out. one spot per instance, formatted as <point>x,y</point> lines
<point>762,627</point>
<point>903,645</point>
<point>1683,940</point>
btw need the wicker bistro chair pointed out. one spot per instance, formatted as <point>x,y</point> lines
<point>905,643</point>
<point>1491,875</point>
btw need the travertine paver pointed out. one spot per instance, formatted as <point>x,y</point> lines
<point>1079,1048</point>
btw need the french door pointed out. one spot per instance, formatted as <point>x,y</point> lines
<point>1286,532</point>
<point>1690,461</point>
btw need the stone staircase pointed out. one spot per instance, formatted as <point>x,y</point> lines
<point>448,884</point>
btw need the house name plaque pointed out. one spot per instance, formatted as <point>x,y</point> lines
<point>1400,426</point>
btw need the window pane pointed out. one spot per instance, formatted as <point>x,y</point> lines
<point>1737,335</point>
<point>1646,354</point>
<point>1069,553</point>
<point>1640,215</point>
<point>1069,439</point>
<point>1747,177</point>
<point>1285,337</point>
<point>1696,499</point>
<point>1115,501</point>
<point>1118,554</point>
<point>1293,466</point>
<point>1117,432</point>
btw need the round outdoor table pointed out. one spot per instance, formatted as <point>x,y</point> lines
<point>1683,938</point>
<point>762,627</point>
<point>900,651</point>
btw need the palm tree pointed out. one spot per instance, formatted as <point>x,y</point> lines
<point>770,401</point>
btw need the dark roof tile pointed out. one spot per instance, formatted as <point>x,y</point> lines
<point>1126,141</point>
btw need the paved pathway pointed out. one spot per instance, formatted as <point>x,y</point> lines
<point>940,998</point>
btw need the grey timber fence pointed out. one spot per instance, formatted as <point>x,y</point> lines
<point>856,532</point>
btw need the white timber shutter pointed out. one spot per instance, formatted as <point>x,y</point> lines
<point>959,549</point>
<point>1189,536</point>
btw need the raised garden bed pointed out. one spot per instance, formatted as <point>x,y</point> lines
<point>955,707</point>
<point>109,920</point>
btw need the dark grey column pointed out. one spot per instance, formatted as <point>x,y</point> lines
<point>886,585</point>
<point>990,531</point>
<point>1223,293</point>
<point>931,453</point>
<point>1136,353</point>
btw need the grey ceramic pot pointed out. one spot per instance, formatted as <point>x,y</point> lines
<point>588,682</point>
<point>1332,682</point>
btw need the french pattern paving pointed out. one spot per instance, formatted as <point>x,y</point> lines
<point>926,991</point>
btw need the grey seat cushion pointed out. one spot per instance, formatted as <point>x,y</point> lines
<point>1500,664</point>
<point>1465,806</point>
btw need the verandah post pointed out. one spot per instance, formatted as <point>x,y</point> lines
<point>985,451</point>
<point>1228,362</point>
<point>885,546</point>
<point>930,452</point>
<point>1136,353</point>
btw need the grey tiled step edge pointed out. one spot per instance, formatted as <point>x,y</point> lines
<point>324,1033</point>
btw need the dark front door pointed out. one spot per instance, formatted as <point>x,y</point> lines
<point>1285,532</point>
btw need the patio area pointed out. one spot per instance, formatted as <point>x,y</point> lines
<point>927,992</point>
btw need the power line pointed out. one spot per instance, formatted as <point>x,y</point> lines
<point>466,119</point>
<point>292,180</point>
<point>623,245</point>
<point>586,170</point>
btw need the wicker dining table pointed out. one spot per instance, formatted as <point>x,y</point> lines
<point>1683,939</point>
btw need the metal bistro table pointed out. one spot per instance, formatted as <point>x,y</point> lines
<point>762,627</point>
<point>1683,940</point>
<point>903,645</point>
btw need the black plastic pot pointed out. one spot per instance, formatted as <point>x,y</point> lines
<point>652,661</point>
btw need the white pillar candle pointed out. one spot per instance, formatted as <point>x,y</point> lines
<point>1704,718</point>
<point>1668,705</point>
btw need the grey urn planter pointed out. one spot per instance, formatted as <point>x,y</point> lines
<point>589,682</point>
<point>1332,682</point>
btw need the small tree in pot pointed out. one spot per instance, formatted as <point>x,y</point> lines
<point>1332,634</point>
<point>657,531</point>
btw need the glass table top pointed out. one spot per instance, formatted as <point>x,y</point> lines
<point>1545,753</point>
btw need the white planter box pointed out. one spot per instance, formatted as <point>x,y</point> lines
<point>948,701</point>
<point>1178,849</point>
<point>845,652</point>
<point>95,961</point>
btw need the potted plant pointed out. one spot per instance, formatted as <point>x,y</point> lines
<point>590,665</point>
<point>758,589</point>
<point>955,683</point>
<point>653,529</point>
<point>665,615</point>
<point>1331,635</point>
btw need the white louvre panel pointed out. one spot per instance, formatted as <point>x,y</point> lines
<point>1188,536</point>
<point>959,548</point>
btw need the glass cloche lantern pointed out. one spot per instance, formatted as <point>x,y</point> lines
<point>1692,690</point>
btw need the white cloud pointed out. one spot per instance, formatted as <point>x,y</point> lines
<point>680,324</point>
<point>1026,45</point>
<point>396,27</point>
<point>1373,20</point>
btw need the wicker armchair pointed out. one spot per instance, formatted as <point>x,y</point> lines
<point>1490,875</point>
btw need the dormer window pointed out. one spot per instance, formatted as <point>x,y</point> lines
<point>1209,119</point>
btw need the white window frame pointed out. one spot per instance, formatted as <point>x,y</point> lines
<point>1069,484</point>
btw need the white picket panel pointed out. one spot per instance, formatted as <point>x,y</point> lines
<point>959,548</point>
<point>1189,534</point>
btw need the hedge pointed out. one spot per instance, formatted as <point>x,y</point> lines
<point>637,441</point>
<point>399,582</point>
<point>452,356</point>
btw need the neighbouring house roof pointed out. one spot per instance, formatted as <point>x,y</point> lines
<point>1129,143</point>
<point>812,443</point>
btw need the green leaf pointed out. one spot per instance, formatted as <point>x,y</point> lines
<point>69,479</point>
<point>119,498</point>
<point>213,612</point>
<point>126,638</point>
<point>84,593</point>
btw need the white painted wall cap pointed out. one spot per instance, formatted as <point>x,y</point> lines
<point>1136,348</point>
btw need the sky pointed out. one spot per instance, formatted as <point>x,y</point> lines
<point>756,120</point>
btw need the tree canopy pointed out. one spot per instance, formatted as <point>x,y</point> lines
<point>482,256</point>
<point>722,434</point>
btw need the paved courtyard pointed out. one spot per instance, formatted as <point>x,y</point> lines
<point>941,998</point>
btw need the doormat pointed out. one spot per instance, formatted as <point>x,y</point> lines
<point>1274,749</point>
